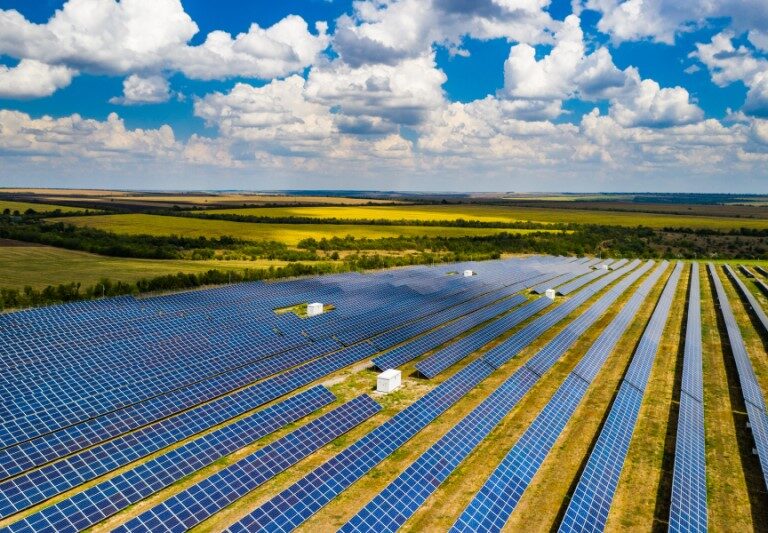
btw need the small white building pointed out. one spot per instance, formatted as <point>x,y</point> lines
<point>388,381</point>
<point>314,309</point>
<point>550,293</point>
<point>468,273</point>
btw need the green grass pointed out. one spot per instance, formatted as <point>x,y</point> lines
<point>40,208</point>
<point>489,213</point>
<point>40,266</point>
<point>289,234</point>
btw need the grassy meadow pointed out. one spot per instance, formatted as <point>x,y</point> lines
<point>38,266</point>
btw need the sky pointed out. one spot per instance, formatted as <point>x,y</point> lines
<point>441,95</point>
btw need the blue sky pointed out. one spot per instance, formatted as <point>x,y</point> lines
<point>409,94</point>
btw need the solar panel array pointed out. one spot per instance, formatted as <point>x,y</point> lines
<point>41,346</point>
<point>491,507</point>
<point>762,286</point>
<point>752,302</point>
<point>401,498</point>
<point>202,500</point>
<point>591,501</point>
<point>111,402</point>
<point>750,388</point>
<point>688,507</point>
<point>510,347</point>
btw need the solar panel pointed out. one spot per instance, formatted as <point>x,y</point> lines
<point>744,270</point>
<point>510,347</point>
<point>591,501</point>
<point>194,504</point>
<point>688,507</point>
<point>579,282</point>
<point>762,270</point>
<point>22,492</point>
<point>413,349</point>
<point>454,352</point>
<point>493,504</point>
<point>750,388</point>
<point>301,500</point>
<point>165,432</point>
<point>401,498</point>
<point>752,302</point>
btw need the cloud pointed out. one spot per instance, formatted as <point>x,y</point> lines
<point>661,20</point>
<point>74,136</point>
<point>33,79</point>
<point>390,31</point>
<point>149,37</point>
<point>283,48</point>
<point>645,103</point>
<point>567,71</point>
<point>378,97</point>
<point>728,64</point>
<point>139,90</point>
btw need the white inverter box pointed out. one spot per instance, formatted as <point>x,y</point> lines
<point>388,381</point>
<point>314,309</point>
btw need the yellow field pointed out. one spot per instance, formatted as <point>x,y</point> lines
<point>40,208</point>
<point>290,234</point>
<point>40,266</point>
<point>488,213</point>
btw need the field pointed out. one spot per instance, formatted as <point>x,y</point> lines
<point>734,485</point>
<point>39,266</point>
<point>40,208</point>
<point>493,213</point>
<point>289,234</point>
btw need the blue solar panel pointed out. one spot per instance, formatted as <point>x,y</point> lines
<point>510,347</point>
<point>752,302</point>
<point>21,492</point>
<point>295,504</point>
<point>494,503</point>
<point>454,352</point>
<point>591,501</point>
<point>200,501</point>
<point>750,388</point>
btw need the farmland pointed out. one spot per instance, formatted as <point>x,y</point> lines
<point>39,207</point>
<point>494,213</point>
<point>290,234</point>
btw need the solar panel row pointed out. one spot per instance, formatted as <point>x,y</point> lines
<point>456,351</point>
<point>416,347</point>
<point>200,501</point>
<point>752,302</point>
<point>591,501</point>
<point>750,388</point>
<point>491,507</point>
<point>510,347</point>
<point>156,436</point>
<point>578,283</point>
<point>96,504</point>
<point>24,491</point>
<point>762,270</point>
<point>688,506</point>
<point>401,498</point>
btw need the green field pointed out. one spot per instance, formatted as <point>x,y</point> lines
<point>289,234</point>
<point>493,213</point>
<point>40,208</point>
<point>40,266</point>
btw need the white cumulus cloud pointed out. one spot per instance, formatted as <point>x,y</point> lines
<point>33,79</point>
